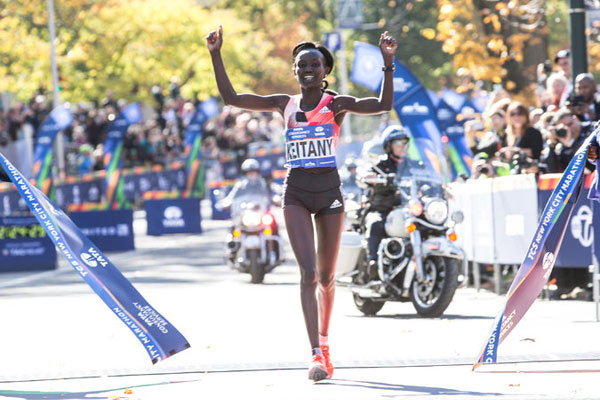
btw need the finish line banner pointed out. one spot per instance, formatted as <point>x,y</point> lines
<point>541,255</point>
<point>157,335</point>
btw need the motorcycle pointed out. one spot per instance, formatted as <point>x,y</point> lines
<point>417,261</point>
<point>254,245</point>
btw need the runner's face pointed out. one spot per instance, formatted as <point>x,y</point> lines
<point>309,68</point>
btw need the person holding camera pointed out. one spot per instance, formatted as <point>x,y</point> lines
<point>565,137</point>
<point>522,139</point>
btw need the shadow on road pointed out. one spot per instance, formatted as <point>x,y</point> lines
<point>417,316</point>
<point>404,388</point>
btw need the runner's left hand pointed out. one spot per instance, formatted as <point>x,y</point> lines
<point>387,44</point>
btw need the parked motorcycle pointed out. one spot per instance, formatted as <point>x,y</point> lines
<point>417,261</point>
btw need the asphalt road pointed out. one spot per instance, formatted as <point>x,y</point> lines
<point>59,341</point>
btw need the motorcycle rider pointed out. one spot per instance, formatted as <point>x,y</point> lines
<point>252,183</point>
<point>382,197</point>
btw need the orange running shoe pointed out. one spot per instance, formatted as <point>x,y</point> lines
<point>317,371</point>
<point>327,357</point>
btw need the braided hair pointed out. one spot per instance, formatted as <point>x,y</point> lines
<point>329,62</point>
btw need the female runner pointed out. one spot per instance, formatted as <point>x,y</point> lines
<point>312,184</point>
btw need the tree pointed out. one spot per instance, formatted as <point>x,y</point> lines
<point>125,47</point>
<point>487,40</point>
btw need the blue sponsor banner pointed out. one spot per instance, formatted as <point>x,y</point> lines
<point>173,216</point>
<point>159,338</point>
<point>110,230</point>
<point>310,146</point>
<point>541,254</point>
<point>59,119</point>
<point>24,245</point>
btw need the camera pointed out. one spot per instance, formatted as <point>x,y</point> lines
<point>561,133</point>
<point>521,162</point>
<point>575,100</point>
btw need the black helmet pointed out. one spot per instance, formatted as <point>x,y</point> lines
<point>250,165</point>
<point>391,133</point>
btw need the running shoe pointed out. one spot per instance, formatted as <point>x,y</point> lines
<point>317,371</point>
<point>327,357</point>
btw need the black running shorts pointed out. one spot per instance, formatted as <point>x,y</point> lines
<point>318,192</point>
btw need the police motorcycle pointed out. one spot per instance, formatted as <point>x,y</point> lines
<point>253,246</point>
<point>417,261</point>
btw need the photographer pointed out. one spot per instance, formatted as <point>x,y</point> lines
<point>565,136</point>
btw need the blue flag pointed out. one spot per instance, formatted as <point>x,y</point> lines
<point>157,335</point>
<point>541,254</point>
<point>366,68</point>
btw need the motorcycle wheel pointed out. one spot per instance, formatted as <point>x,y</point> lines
<point>432,296</point>
<point>367,306</point>
<point>257,270</point>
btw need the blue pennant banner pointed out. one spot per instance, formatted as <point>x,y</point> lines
<point>541,254</point>
<point>157,335</point>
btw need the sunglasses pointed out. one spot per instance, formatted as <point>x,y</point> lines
<point>515,113</point>
<point>400,142</point>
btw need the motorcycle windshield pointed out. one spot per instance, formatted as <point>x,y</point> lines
<point>421,176</point>
<point>249,200</point>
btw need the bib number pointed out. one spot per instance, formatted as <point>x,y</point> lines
<point>310,146</point>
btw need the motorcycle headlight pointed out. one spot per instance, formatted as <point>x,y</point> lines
<point>436,211</point>
<point>251,219</point>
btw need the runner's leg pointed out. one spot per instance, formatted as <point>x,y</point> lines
<point>329,233</point>
<point>299,226</point>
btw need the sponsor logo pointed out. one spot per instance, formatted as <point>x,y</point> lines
<point>324,110</point>
<point>415,109</point>
<point>319,129</point>
<point>444,114</point>
<point>336,203</point>
<point>548,260</point>
<point>44,140</point>
<point>581,226</point>
<point>93,258</point>
<point>400,85</point>
<point>88,260</point>
<point>173,217</point>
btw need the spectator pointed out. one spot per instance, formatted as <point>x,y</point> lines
<point>557,86</point>
<point>563,60</point>
<point>566,136</point>
<point>521,137</point>
<point>84,159</point>
<point>585,86</point>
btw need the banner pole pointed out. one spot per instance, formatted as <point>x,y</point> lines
<point>59,144</point>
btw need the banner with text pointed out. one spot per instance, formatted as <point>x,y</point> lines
<point>541,255</point>
<point>159,338</point>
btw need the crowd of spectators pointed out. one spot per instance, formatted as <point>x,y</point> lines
<point>157,140</point>
<point>510,138</point>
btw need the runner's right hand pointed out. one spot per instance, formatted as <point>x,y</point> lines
<point>214,39</point>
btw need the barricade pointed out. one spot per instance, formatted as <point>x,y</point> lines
<point>24,245</point>
<point>501,215</point>
<point>110,230</point>
<point>172,214</point>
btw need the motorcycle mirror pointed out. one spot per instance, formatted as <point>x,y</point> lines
<point>458,216</point>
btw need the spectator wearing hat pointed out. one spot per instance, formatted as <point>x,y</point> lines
<point>563,60</point>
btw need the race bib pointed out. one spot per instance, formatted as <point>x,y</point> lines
<point>310,146</point>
